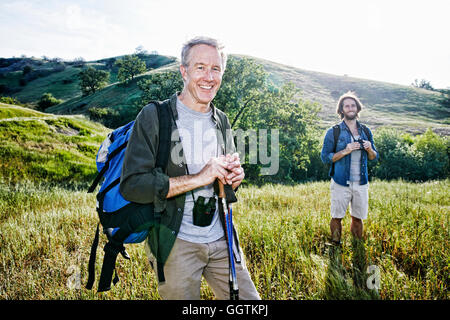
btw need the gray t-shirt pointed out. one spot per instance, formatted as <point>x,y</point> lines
<point>198,136</point>
<point>355,164</point>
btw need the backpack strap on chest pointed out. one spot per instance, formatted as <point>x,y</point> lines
<point>336,133</point>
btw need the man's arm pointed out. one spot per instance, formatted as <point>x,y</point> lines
<point>216,168</point>
<point>371,153</point>
<point>348,149</point>
<point>369,146</point>
<point>327,153</point>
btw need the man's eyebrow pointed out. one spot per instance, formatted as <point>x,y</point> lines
<point>204,64</point>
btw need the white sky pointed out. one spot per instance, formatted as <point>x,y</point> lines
<point>387,40</point>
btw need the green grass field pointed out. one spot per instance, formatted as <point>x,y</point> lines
<point>46,233</point>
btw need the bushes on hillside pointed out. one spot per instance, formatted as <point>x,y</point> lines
<point>11,100</point>
<point>109,117</point>
<point>47,100</point>
<point>420,158</point>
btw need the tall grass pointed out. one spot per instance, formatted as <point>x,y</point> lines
<point>46,233</point>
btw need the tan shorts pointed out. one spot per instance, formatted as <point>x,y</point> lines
<point>188,262</point>
<point>356,194</point>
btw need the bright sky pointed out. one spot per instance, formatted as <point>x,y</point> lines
<point>387,40</point>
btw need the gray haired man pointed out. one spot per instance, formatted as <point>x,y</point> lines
<point>191,244</point>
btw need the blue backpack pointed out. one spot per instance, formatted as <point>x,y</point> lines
<point>122,221</point>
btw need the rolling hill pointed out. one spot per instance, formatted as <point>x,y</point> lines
<point>60,78</point>
<point>406,108</point>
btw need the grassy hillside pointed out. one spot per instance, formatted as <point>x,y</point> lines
<point>60,78</point>
<point>390,105</point>
<point>120,97</point>
<point>46,148</point>
<point>10,112</point>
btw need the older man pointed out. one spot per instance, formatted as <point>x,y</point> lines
<point>191,239</point>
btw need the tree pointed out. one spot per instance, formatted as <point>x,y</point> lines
<point>255,105</point>
<point>129,67</point>
<point>243,85</point>
<point>418,158</point>
<point>27,69</point>
<point>79,62</point>
<point>159,86</point>
<point>424,84</point>
<point>140,51</point>
<point>253,102</point>
<point>397,159</point>
<point>92,80</point>
<point>432,150</point>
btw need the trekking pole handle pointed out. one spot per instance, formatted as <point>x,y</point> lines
<point>226,192</point>
<point>221,190</point>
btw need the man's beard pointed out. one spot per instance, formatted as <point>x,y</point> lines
<point>350,117</point>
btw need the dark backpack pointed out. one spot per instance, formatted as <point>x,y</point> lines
<point>336,133</point>
<point>123,221</point>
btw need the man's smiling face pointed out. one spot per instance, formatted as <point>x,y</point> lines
<point>349,109</point>
<point>202,77</point>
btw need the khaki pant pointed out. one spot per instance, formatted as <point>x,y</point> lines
<point>187,263</point>
<point>355,194</point>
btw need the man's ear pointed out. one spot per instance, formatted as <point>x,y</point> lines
<point>183,72</point>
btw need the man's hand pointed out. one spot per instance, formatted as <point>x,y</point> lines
<point>371,154</point>
<point>348,149</point>
<point>235,171</point>
<point>215,168</point>
<point>351,147</point>
<point>225,168</point>
<point>367,145</point>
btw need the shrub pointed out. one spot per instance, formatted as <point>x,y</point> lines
<point>419,158</point>
<point>47,100</point>
<point>431,149</point>
<point>108,116</point>
<point>10,100</point>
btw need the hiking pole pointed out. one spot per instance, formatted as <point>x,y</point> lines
<point>227,196</point>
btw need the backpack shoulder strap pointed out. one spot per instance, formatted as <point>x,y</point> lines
<point>162,157</point>
<point>165,131</point>
<point>336,133</point>
<point>366,130</point>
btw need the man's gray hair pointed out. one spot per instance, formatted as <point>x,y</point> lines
<point>202,40</point>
